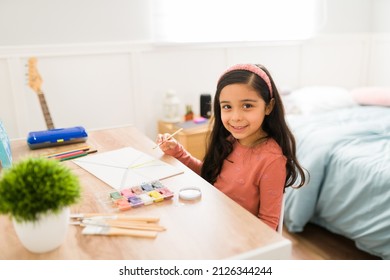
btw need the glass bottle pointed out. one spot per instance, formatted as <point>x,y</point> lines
<point>171,107</point>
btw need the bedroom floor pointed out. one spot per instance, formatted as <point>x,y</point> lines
<point>316,243</point>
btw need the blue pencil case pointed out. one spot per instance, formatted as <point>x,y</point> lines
<point>56,137</point>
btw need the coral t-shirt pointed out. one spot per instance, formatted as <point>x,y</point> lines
<point>254,177</point>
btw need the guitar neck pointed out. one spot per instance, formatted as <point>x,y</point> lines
<point>45,111</point>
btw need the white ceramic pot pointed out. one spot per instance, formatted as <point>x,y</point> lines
<point>46,234</point>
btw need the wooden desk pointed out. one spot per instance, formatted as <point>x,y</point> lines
<point>215,227</point>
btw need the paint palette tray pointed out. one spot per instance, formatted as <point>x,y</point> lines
<point>137,196</point>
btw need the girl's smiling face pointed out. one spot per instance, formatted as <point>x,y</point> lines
<point>243,112</point>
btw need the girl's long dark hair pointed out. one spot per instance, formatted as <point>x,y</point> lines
<point>220,145</point>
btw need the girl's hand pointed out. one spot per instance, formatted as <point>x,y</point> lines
<point>166,144</point>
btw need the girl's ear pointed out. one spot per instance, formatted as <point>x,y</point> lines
<point>270,106</point>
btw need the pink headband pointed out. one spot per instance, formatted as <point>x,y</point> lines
<point>254,69</point>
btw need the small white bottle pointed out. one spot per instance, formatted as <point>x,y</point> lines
<point>171,107</point>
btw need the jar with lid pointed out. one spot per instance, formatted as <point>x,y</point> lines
<point>171,107</point>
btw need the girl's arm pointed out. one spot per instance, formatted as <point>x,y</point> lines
<point>173,148</point>
<point>271,192</point>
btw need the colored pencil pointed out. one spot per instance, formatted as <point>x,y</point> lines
<point>70,154</point>
<point>85,148</point>
<point>74,156</point>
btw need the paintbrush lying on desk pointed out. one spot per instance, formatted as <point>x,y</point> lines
<point>109,224</point>
<point>111,216</point>
<point>137,225</point>
<point>99,230</point>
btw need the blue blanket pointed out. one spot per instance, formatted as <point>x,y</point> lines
<point>347,153</point>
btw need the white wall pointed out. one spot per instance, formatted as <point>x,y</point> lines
<point>380,16</point>
<point>43,22</point>
<point>348,16</point>
<point>122,80</point>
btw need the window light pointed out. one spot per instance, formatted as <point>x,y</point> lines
<point>185,21</point>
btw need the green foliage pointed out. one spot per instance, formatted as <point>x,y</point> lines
<point>35,186</point>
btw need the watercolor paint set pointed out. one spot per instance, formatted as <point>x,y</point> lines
<point>144,194</point>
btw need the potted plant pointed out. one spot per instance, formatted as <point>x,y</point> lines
<point>37,193</point>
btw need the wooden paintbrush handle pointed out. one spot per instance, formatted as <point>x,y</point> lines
<point>141,219</point>
<point>122,217</point>
<point>136,225</point>
<point>129,232</point>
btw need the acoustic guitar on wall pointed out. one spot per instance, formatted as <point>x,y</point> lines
<point>52,136</point>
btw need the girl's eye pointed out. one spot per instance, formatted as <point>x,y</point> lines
<point>247,106</point>
<point>226,107</point>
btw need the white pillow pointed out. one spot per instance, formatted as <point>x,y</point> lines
<point>377,96</point>
<point>320,99</point>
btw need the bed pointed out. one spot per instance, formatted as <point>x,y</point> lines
<point>346,150</point>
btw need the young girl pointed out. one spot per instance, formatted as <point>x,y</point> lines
<point>251,151</point>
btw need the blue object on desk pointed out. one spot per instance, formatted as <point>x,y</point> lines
<point>56,137</point>
<point>5,149</point>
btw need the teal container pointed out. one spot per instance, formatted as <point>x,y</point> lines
<point>5,149</point>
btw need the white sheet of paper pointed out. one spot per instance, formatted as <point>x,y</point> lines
<point>127,167</point>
